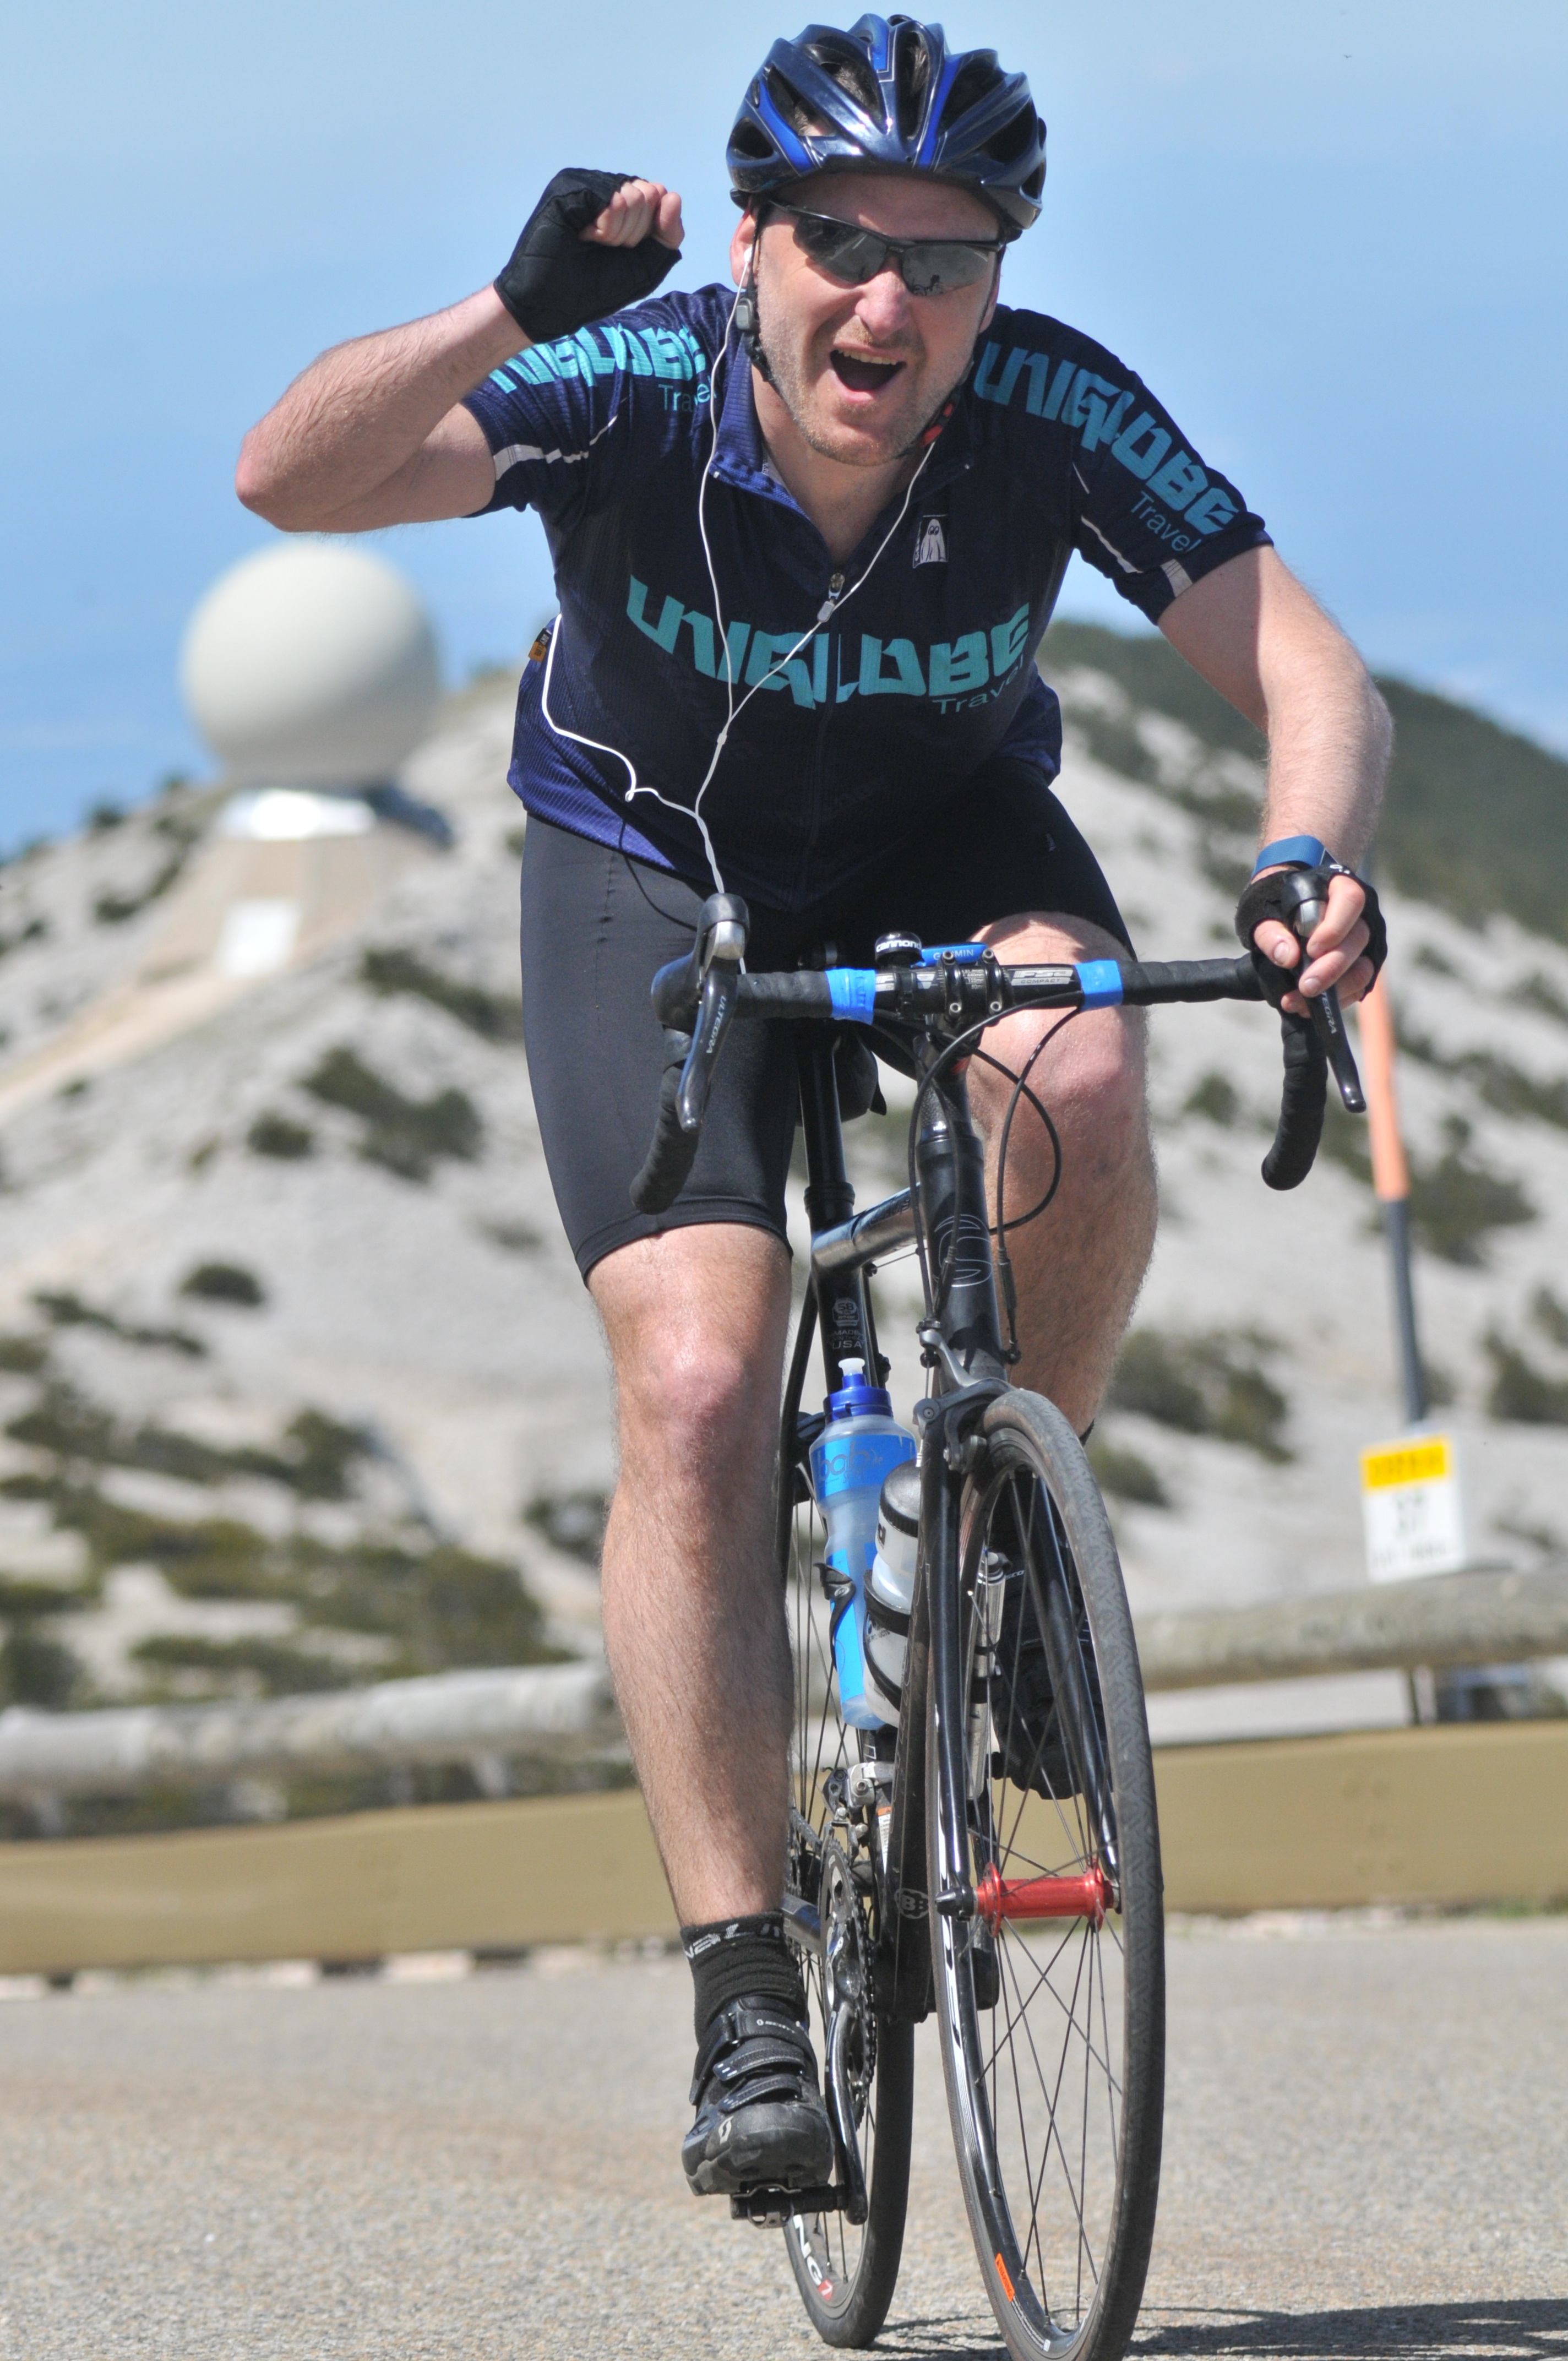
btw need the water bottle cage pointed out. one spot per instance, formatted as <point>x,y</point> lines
<point>837,1588</point>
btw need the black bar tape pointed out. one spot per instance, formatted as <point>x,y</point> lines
<point>1301,1104</point>
<point>1144,985</point>
<point>803,992</point>
<point>668,1165</point>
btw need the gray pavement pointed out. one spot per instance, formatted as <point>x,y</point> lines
<point>1366,2154</point>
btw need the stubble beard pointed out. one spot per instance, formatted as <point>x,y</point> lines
<point>789,382</point>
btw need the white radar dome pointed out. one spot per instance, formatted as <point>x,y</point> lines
<point>310,665</point>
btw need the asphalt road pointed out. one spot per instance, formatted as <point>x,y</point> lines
<point>1366,2154</point>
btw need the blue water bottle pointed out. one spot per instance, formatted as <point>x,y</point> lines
<point>860,1443</point>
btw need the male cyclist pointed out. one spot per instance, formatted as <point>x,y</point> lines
<point>807,538</point>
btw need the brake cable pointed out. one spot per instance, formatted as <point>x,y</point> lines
<point>936,1294</point>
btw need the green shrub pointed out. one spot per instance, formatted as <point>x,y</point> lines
<point>323,1454</point>
<point>1539,992</point>
<point>37,1671</point>
<point>1215,1098</point>
<point>250,1666</point>
<point>439,1607</point>
<point>224,1282</point>
<point>1126,1475</point>
<point>1212,1384</point>
<point>405,1134</point>
<point>1550,1315</point>
<point>494,1016</point>
<point>116,909</point>
<point>1521,1392</point>
<point>34,931</point>
<point>274,1135</point>
<point>316,1458</point>
<point>1456,1202</point>
<point>64,1310</point>
<point>513,1237</point>
<point>23,1602</point>
<point>571,1522</point>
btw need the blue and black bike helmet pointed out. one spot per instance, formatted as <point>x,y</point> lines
<point>889,96</point>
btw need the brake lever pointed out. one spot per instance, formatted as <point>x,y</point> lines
<point>722,924</point>
<point>719,952</point>
<point>1328,1020</point>
<point>720,994</point>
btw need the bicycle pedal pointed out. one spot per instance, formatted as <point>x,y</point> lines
<point>769,2208</point>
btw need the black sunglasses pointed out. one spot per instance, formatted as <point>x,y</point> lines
<point>927,266</point>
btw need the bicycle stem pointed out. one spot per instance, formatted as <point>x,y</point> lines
<point>963,1328</point>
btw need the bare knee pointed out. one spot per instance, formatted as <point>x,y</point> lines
<point>691,1395</point>
<point>1091,1070</point>
<point>695,1322</point>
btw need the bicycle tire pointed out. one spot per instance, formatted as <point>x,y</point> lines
<point>846,2272</point>
<point>1039,1768</point>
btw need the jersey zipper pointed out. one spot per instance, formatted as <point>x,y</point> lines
<point>814,826</point>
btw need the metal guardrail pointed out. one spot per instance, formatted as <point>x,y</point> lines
<point>444,1717</point>
<point>1441,1621</point>
<point>564,1709</point>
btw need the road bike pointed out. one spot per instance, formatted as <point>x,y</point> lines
<point>992,1851</point>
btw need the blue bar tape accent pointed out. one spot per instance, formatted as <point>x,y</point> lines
<point>964,954</point>
<point>1311,852</point>
<point>1100,982</point>
<point>853,991</point>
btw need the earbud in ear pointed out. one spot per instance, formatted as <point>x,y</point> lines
<point>747,328</point>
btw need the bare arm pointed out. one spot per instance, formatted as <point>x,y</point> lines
<point>373,434</point>
<point>1265,644</point>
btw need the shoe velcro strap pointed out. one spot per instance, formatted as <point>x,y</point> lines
<point>765,2031</point>
<point>760,2057</point>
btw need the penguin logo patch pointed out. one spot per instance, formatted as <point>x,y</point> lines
<point>930,543</point>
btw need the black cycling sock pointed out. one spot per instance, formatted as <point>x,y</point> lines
<point>741,1958</point>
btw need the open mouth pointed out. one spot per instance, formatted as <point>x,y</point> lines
<point>859,374</point>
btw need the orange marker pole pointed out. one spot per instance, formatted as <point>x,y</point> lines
<point>1391,1181</point>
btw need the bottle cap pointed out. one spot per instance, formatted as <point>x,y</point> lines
<point>856,1398</point>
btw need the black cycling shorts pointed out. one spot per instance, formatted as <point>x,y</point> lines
<point>595,925</point>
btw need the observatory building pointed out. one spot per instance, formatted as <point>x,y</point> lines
<point>311,670</point>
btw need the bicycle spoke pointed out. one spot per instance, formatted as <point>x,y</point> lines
<point>1058,2121</point>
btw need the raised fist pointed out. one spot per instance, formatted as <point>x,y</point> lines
<point>593,244</point>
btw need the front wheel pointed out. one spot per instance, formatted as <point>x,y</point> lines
<point>846,2268</point>
<point>1046,1901</point>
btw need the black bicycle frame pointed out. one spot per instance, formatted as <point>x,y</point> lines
<point>961,1337</point>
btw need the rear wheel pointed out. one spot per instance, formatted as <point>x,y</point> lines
<point>846,2270</point>
<point>1047,1919</point>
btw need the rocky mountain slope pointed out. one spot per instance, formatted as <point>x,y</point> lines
<point>298,1382</point>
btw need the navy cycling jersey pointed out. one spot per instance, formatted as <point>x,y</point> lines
<point>870,697</point>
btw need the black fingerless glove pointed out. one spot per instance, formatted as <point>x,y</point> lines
<point>1279,896</point>
<point>554,283</point>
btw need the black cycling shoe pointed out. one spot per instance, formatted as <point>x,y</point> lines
<point>760,2122</point>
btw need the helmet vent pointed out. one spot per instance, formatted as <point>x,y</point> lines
<point>750,139</point>
<point>1014,139</point>
<point>976,79</point>
<point>797,112</point>
<point>852,69</point>
<point>910,77</point>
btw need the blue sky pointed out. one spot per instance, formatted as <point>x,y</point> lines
<point>1332,235</point>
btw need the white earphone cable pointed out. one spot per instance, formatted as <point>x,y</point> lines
<point>830,609</point>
